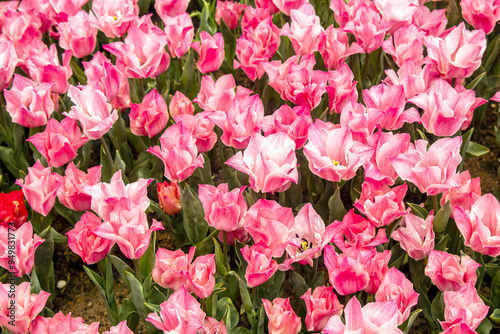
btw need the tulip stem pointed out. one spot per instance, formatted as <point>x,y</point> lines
<point>435,204</point>
<point>141,87</point>
<point>226,262</point>
<point>138,270</point>
<point>108,153</point>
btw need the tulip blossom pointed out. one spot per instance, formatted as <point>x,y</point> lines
<point>181,313</point>
<point>446,110</point>
<point>450,272</point>
<point>28,103</point>
<point>408,44</point>
<point>415,235</point>
<point>381,204</point>
<point>412,77</point>
<point>346,272</point>
<point>353,115</point>
<point>150,117</point>
<point>463,306</point>
<point>8,62</point>
<point>179,32</point>
<point>25,245</point>
<point>228,11</point>
<point>219,95</point>
<point>212,326</point>
<point>59,142</point>
<point>114,18</point>
<point>432,169</point>
<point>368,28</point>
<point>103,76</point>
<point>70,193</point>
<point>479,226</point>
<point>63,10</point>
<point>395,286</point>
<point>200,280</point>
<point>458,52</point>
<point>377,317</point>
<point>180,104</point>
<point>304,30</point>
<point>433,22</point>
<point>142,55</point>
<point>376,264</point>
<point>169,197</point>
<point>334,47</point>
<point>12,208</point>
<point>270,162</point>
<point>252,17</point>
<point>202,129</point>
<point>40,187</point>
<point>398,12</point>
<point>321,306</point>
<point>466,194</point>
<point>92,111</point>
<point>121,328</point>
<point>240,121</point>
<point>295,122</point>
<point>26,307</point>
<point>61,323</point>
<point>341,89</point>
<point>481,14</point>
<point>224,209</point>
<point>282,318</point>
<point>178,152</point>
<point>45,67</point>
<point>78,34</point>
<point>261,265</point>
<point>211,52</point>
<point>332,153</point>
<point>83,242</point>
<point>286,6</point>
<point>170,8</point>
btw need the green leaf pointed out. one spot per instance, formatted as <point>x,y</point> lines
<point>153,307</point>
<point>473,84</point>
<point>397,256</point>
<point>44,264</point>
<point>147,260</point>
<point>495,291</point>
<point>202,175</point>
<point>187,86</point>
<point>121,267</point>
<point>229,42</point>
<point>336,207</point>
<point>137,297</point>
<point>465,142</point>
<point>193,216</point>
<point>492,53</point>
<point>442,217</point>
<point>96,279</point>
<point>484,327</point>
<point>226,309</point>
<point>495,317</point>
<point>406,326</point>
<point>422,135</point>
<point>475,150</point>
<point>247,303</point>
<point>291,198</point>
<point>437,307</point>
<point>298,283</point>
<point>418,210</point>
<point>219,258</point>
<point>78,72</point>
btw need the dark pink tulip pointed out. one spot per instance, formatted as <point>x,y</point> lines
<point>466,194</point>
<point>210,50</point>
<point>180,33</point>
<point>252,17</point>
<point>341,89</point>
<point>368,28</point>
<point>346,271</point>
<point>432,22</point>
<point>286,6</point>
<point>481,14</point>
<point>282,318</point>
<point>321,306</point>
<point>228,11</point>
<point>150,117</point>
<point>334,47</point>
<point>78,34</point>
<point>61,323</point>
<point>83,242</point>
<point>377,266</point>
<point>70,192</point>
<point>202,129</point>
<point>261,265</point>
<point>170,8</point>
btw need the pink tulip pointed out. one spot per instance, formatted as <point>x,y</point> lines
<point>25,309</point>
<point>341,89</point>
<point>356,232</point>
<point>202,129</point>
<point>24,248</point>
<point>114,18</point>
<point>150,117</point>
<point>386,107</point>
<point>332,153</point>
<point>466,194</point>
<point>464,306</point>
<point>286,6</point>
<point>212,326</point>
<point>78,34</point>
<point>70,193</point>
<point>446,110</point>
<point>270,162</point>
<point>433,169</point>
<point>377,317</point>
<point>8,63</point>
<point>170,8</point>
<point>121,328</point>
<point>40,187</point>
<point>415,235</point>
<point>381,204</point>
<point>43,11</point>
<point>228,11</point>
<point>353,115</point>
<point>181,313</point>
<point>309,237</point>
<point>180,33</point>
<point>178,153</point>
<point>92,111</point>
<point>45,67</point>
<point>142,55</point>
<point>252,17</point>
<point>368,28</point>
<point>432,22</point>
<point>412,77</point>
<point>395,286</point>
<point>408,44</point>
<point>481,14</point>
<point>334,47</point>
<point>457,60</point>
<point>60,323</point>
<point>398,12</point>
<point>224,209</point>
<point>28,103</point>
<point>261,265</point>
<point>83,242</point>
<point>480,226</point>
<point>169,197</point>
<point>386,145</point>
<point>200,280</point>
<point>215,96</point>
<point>180,104</point>
<point>345,11</point>
<point>59,142</point>
<point>294,122</point>
<point>450,272</point>
<point>346,272</point>
<point>171,268</point>
<point>304,30</point>
<point>63,10</point>
<point>376,264</point>
<point>103,76</point>
<point>211,52</point>
<point>321,306</point>
<point>282,318</point>
<point>240,121</point>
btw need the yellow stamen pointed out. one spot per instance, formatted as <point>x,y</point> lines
<point>304,245</point>
<point>335,162</point>
<point>115,18</point>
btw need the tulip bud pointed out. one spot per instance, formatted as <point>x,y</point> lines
<point>169,196</point>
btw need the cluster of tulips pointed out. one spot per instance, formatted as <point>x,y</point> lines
<point>337,132</point>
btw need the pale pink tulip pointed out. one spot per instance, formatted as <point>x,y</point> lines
<point>286,6</point>
<point>70,192</point>
<point>368,28</point>
<point>83,242</point>
<point>415,235</point>
<point>171,268</point>
<point>45,67</point>
<point>334,47</point>
<point>8,63</point>
<point>282,318</point>
<point>412,77</point>
<point>353,114</point>
<point>252,17</point>
<point>200,280</point>
<point>40,187</point>
<point>228,11</point>
<point>212,326</point>
<point>61,323</point>
<point>261,265</point>
<point>78,34</point>
<point>202,129</point>
<point>466,194</point>
<point>481,14</point>
<point>180,33</point>
<point>341,89</point>
<point>180,104</point>
<point>211,52</point>
<point>114,18</point>
<point>376,264</point>
<point>398,12</point>
<point>432,22</point>
<point>304,30</point>
<point>219,95</point>
<point>150,117</point>
<point>321,306</point>
<point>270,162</point>
<point>121,328</point>
<point>407,43</point>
